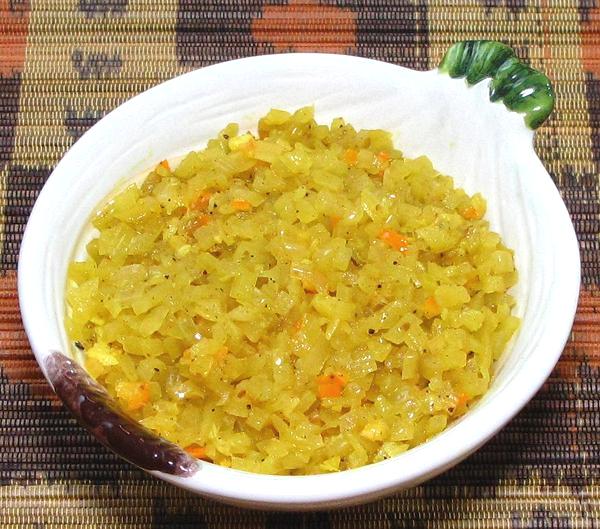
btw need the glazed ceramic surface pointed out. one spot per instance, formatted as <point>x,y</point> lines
<point>459,116</point>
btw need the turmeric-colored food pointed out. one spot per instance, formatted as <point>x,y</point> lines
<point>300,301</point>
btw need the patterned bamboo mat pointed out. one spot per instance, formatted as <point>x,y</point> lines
<point>65,63</point>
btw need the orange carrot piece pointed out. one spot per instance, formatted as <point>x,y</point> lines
<point>201,203</point>
<point>471,213</point>
<point>431,309</point>
<point>202,220</point>
<point>334,219</point>
<point>329,391</point>
<point>461,402</point>
<point>140,398</point>
<point>336,378</point>
<point>330,385</point>
<point>165,164</point>
<point>241,205</point>
<point>197,222</point>
<point>394,239</point>
<point>197,451</point>
<point>383,156</point>
<point>351,156</point>
<point>463,398</point>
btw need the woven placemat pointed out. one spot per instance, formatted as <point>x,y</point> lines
<point>66,63</point>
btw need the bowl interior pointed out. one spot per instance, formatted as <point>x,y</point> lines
<point>481,145</point>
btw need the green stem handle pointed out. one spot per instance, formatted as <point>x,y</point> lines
<point>521,88</point>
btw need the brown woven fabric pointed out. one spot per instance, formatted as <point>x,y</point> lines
<point>65,63</point>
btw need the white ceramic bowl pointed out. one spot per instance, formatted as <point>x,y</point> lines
<point>484,146</point>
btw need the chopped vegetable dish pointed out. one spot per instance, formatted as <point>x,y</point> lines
<point>299,300</point>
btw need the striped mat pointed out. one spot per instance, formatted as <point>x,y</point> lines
<point>66,63</point>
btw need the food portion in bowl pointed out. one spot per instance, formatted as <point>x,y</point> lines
<point>301,301</point>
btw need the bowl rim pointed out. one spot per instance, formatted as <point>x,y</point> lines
<point>367,482</point>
